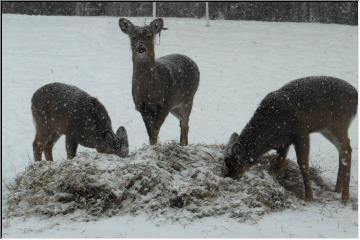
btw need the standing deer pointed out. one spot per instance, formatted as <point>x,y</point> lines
<point>287,116</point>
<point>163,85</point>
<point>60,109</point>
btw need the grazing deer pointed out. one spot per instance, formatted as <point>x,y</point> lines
<point>60,109</point>
<point>163,85</point>
<point>287,116</point>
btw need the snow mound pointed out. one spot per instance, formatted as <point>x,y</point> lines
<point>168,179</point>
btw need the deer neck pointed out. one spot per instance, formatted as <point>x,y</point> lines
<point>255,140</point>
<point>144,71</point>
<point>144,83</point>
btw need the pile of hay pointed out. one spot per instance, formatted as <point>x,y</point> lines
<point>168,180</point>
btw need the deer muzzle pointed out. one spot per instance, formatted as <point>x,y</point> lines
<point>140,48</point>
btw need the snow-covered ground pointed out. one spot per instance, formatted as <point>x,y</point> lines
<point>239,62</point>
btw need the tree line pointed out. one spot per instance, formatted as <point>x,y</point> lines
<point>323,12</point>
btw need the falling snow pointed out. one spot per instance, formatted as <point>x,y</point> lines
<point>240,62</point>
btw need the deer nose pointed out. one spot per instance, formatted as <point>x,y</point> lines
<point>141,48</point>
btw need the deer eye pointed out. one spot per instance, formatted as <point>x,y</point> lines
<point>133,38</point>
<point>148,37</point>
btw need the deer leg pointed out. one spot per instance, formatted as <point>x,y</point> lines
<point>71,146</point>
<point>182,113</point>
<point>338,185</point>
<point>333,137</point>
<point>302,147</point>
<point>49,146</point>
<point>158,122</point>
<point>184,130</point>
<point>153,134</point>
<point>281,163</point>
<point>153,124</point>
<point>38,147</point>
<point>341,140</point>
<point>345,162</point>
<point>48,152</point>
<point>149,126</point>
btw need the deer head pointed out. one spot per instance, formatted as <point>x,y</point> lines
<point>141,38</point>
<point>114,143</point>
<point>237,158</point>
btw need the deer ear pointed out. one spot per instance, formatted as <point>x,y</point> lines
<point>122,135</point>
<point>125,25</point>
<point>235,149</point>
<point>156,25</point>
<point>233,137</point>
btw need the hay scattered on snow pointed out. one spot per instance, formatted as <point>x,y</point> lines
<point>164,179</point>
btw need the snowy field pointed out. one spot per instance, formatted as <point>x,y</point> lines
<point>239,62</point>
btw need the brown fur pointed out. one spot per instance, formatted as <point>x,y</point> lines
<point>163,85</point>
<point>60,109</point>
<point>287,116</point>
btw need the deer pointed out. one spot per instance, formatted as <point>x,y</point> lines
<point>162,85</point>
<point>288,116</point>
<point>60,109</point>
